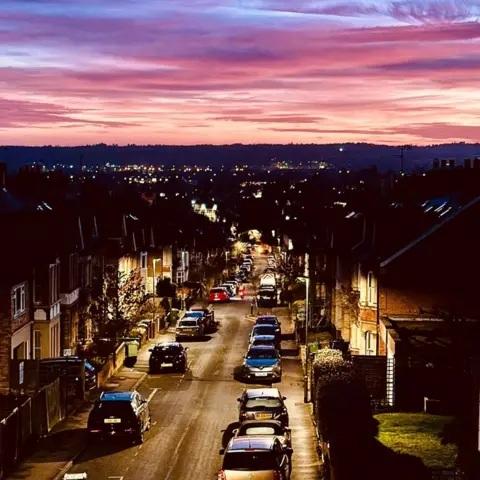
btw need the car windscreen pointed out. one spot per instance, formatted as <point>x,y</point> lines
<point>264,330</point>
<point>262,403</point>
<point>196,314</point>
<point>262,353</point>
<point>116,408</point>
<point>188,323</point>
<point>250,461</point>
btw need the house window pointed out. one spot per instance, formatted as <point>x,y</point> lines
<point>371,289</point>
<point>143,260</point>
<point>54,277</point>
<point>19,305</point>
<point>369,343</point>
<point>180,277</point>
<point>37,345</point>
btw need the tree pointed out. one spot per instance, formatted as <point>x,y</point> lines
<point>117,308</point>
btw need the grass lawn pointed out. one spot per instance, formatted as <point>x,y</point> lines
<point>417,434</point>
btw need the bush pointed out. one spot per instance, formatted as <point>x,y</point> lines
<point>342,402</point>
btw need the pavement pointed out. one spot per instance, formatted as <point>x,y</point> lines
<point>193,414</point>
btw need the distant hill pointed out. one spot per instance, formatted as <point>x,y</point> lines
<point>353,155</point>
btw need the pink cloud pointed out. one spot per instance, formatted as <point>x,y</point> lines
<point>237,76</point>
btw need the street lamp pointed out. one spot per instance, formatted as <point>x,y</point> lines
<point>306,276</point>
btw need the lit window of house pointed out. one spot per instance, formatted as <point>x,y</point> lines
<point>371,289</point>
<point>369,343</point>
<point>19,305</point>
<point>143,260</point>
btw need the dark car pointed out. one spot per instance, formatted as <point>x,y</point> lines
<point>71,368</point>
<point>267,298</point>
<point>168,356</point>
<point>262,404</point>
<point>269,320</point>
<point>120,414</point>
<point>266,427</point>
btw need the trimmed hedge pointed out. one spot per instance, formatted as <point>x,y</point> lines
<point>342,403</point>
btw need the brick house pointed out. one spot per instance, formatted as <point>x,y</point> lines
<point>17,219</point>
<point>417,279</point>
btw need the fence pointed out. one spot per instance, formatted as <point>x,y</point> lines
<point>30,419</point>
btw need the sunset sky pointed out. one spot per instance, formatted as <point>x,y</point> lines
<point>252,71</point>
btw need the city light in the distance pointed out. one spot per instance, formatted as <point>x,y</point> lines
<point>250,71</point>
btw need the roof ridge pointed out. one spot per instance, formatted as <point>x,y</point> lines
<point>429,232</point>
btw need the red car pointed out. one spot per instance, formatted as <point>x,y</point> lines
<point>218,294</point>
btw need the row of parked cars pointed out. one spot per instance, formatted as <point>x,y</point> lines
<point>261,445</point>
<point>234,285</point>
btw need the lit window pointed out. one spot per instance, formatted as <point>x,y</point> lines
<point>371,289</point>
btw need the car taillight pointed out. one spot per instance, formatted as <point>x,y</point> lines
<point>222,476</point>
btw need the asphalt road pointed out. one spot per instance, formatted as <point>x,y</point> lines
<point>194,413</point>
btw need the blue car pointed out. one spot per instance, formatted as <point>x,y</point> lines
<point>262,362</point>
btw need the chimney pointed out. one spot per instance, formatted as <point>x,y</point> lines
<point>3,176</point>
<point>451,163</point>
<point>444,163</point>
<point>467,163</point>
<point>436,163</point>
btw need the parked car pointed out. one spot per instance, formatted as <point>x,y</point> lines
<point>267,298</point>
<point>168,356</point>
<point>266,428</point>
<point>269,320</point>
<point>262,362</point>
<point>262,404</point>
<point>233,284</point>
<point>253,457</point>
<point>71,369</point>
<point>120,414</point>
<point>189,327</point>
<point>218,294</point>
<point>265,340</point>
<point>209,314</point>
<point>230,290</point>
<point>261,330</point>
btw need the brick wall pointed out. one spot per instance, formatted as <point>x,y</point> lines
<point>5,337</point>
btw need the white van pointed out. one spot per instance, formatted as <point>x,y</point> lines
<point>268,279</point>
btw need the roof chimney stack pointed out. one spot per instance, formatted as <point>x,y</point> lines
<point>467,163</point>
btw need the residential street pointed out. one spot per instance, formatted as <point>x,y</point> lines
<point>190,411</point>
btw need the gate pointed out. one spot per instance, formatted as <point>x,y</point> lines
<point>379,374</point>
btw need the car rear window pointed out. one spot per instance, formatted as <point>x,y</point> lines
<point>266,321</point>
<point>170,349</point>
<point>188,323</point>
<point>263,330</point>
<point>262,402</point>
<point>216,290</point>
<point>250,461</point>
<point>261,353</point>
<point>258,431</point>
<point>117,408</point>
<point>195,314</point>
